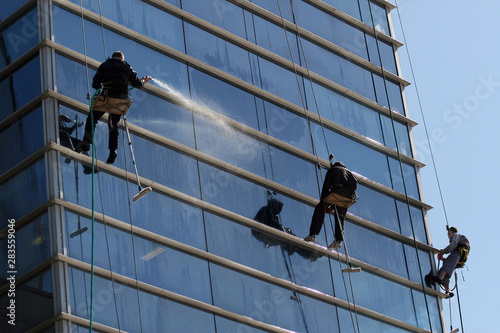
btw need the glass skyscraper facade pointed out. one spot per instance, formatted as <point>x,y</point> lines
<point>249,97</point>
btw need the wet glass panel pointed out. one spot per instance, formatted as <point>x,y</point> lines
<point>344,111</point>
<point>218,12</point>
<point>25,136</point>
<point>34,303</point>
<point>222,98</point>
<point>20,87</point>
<point>31,243</point>
<point>217,52</point>
<point>18,37</point>
<point>153,263</point>
<point>147,20</point>
<point>23,192</point>
<point>8,7</point>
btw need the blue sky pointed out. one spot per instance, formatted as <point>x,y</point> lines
<point>454,49</point>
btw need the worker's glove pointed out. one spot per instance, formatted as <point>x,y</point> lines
<point>146,79</point>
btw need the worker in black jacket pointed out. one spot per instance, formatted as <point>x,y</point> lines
<point>340,180</point>
<point>114,75</point>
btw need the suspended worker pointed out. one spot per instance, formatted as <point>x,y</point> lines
<point>338,180</point>
<point>115,75</point>
<point>458,249</point>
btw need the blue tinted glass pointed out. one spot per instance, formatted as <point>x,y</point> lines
<point>18,37</point>
<point>8,7</point>
<point>377,18</point>
<point>218,12</point>
<point>223,98</point>
<point>158,314</point>
<point>281,8</point>
<point>23,192</point>
<point>24,136</point>
<point>217,52</point>
<point>417,273</point>
<point>140,57</point>
<point>402,135</point>
<point>281,82</point>
<point>372,248</point>
<point>147,20</point>
<point>410,180</point>
<point>349,7</point>
<point>376,207</point>
<point>20,88</point>
<point>344,111</point>
<point>272,37</point>
<point>32,246</point>
<point>286,126</point>
<point>416,219</point>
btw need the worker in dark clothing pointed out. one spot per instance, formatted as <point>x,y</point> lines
<point>115,75</point>
<point>458,249</point>
<point>341,181</point>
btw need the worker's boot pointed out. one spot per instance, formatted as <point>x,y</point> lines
<point>112,156</point>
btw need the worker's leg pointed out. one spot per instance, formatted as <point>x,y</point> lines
<point>339,223</point>
<point>113,136</point>
<point>84,145</point>
<point>318,218</point>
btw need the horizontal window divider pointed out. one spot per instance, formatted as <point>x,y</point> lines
<point>233,169</point>
<point>18,13</point>
<point>259,93</point>
<point>19,62</point>
<point>242,221</point>
<point>63,316</point>
<point>195,63</point>
<point>266,54</point>
<point>231,315</point>
<point>27,218</point>
<point>355,22</point>
<point>178,298</point>
<point>6,176</point>
<point>19,113</point>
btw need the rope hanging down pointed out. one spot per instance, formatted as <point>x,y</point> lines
<point>384,79</point>
<point>429,144</point>
<point>310,128</point>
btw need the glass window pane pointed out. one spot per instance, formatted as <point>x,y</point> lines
<point>218,12</point>
<point>147,20</point>
<point>25,137</point>
<point>20,88</point>
<point>32,246</point>
<point>18,37</point>
<point>34,303</point>
<point>8,7</point>
<point>23,192</point>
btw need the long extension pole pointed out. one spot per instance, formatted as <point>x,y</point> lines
<point>142,191</point>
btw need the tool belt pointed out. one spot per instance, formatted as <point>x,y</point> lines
<point>464,254</point>
<point>104,103</point>
<point>341,201</point>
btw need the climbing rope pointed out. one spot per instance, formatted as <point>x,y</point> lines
<point>429,144</point>
<point>315,152</point>
<point>400,163</point>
